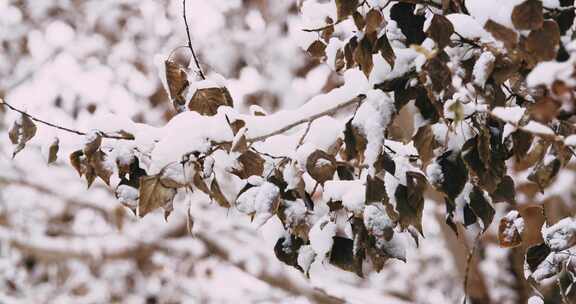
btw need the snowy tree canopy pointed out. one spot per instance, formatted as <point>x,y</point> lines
<point>376,141</point>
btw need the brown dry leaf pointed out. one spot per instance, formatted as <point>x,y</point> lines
<point>440,30</point>
<point>543,174</point>
<point>327,33</point>
<point>373,20</point>
<point>177,81</point>
<point>439,74</point>
<point>321,166</point>
<point>543,43</point>
<point>363,56</point>
<point>53,150</point>
<point>252,164</point>
<point>502,33</point>
<point>545,109</point>
<point>528,15</point>
<point>93,144</point>
<point>200,184</point>
<point>359,20</point>
<point>76,161</point>
<point>345,8</point>
<point>317,49</point>
<point>207,101</point>
<point>21,132</point>
<point>425,143</point>
<point>386,50</point>
<point>410,201</point>
<point>217,195</point>
<point>355,142</point>
<point>97,163</point>
<point>508,234</point>
<point>375,190</point>
<point>154,195</point>
<point>340,60</point>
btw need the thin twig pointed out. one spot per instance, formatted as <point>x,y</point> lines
<point>190,41</point>
<point>468,263</point>
<point>354,100</point>
<point>104,135</point>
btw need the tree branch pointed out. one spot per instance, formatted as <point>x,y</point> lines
<point>105,135</point>
<point>190,41</point>
<point>310,119</point>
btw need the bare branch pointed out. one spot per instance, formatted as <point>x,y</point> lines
<point>190,41</point>
<point>105,135</point>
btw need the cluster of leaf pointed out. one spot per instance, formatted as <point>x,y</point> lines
<point>456,88</point>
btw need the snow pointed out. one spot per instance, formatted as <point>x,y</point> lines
<point>306,256</point>
<point>352,194</point>
<point>512,115</point>
<point>373,118</point>
<point>376,220</point>
<point>545,73</point>
<point>537,128</point>
<point>561,235</point>
<point>321,236</point>
<point>483,68</point>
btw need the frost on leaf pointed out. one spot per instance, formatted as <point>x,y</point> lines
<point>561,235</point>
<point>510,230</point>
<point>21,132</point>
<point>154,195</point>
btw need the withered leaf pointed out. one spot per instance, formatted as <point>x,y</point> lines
<point>21,132</point>
<point>543,43</point>
<point>286,251</point>
<point>252,164</point>
<point>342,255</point>
<point>425,143</point>
<point>317,49</point>
<point>199,183</point>
<point>363,56</point>
<point>386,50</point>
<point>440,30</point>
<point>207,101</point>
<point>385,162</point>
<point>355,142</point>
<point>321,166</point>
<point>217,195</point>
<point>536,255</point>
<point>345,8</point>
<point>345,172</point>
<point>481,207</point>
<point>454,172</point>
<point>177,82</point>
<point>502,33</point>
<point>359,20</point>
<point>508,234</point>
<point>100,169</point>
<point>154,195</point>
<point>543,174</point>
<point>53,150</point>
<point>528,15</point>
<point>506,191</point>
<point>76,161</point>
<point>375,190</point>
<point>373,20</point>
<point>439,74</point>
<point>93,142</point>
<point>410,201</point>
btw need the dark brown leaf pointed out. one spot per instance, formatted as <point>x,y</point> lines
<point>177,82</point>
<point>154,195</point>
<point>543,43</point>
<point>528,15</point>
<point>363,56</point>
<point>321,166</point>
<point>345,8</point>
<point>536,255</point>
<point>359,20</point>
<point>317,49</point>
<point>21,132</point>
<point>502,33</point>
<point>386,50</point>
<point>508,234</point>
<point>373,20</point>
<point>207,101</point>
<point>53,151</point>
<point>375,190</point>
<point>440,30</point>
<point>252,164</point>
<point>481,206</point>
<point>217,194</point>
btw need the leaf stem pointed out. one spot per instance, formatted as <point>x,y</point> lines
<point>190,41</point>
